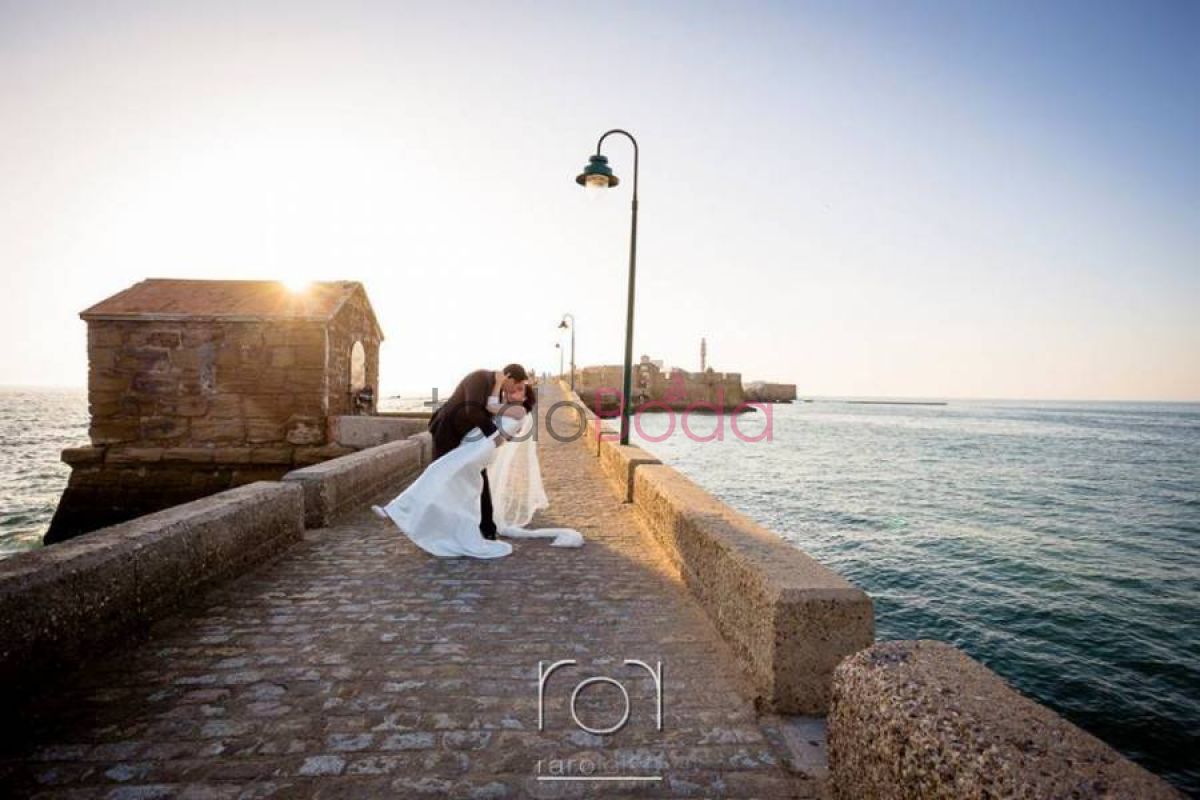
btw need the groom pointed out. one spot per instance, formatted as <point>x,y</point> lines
<point>467,408</point>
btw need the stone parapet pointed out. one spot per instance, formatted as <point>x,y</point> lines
<point>344,484</point>
<point>619,462</point>
<point>361,432</point>
<point>596,430</point>
<point>63,604</point>
<point>921,719</point>
<point>112,486</point>
<point>789,618</point>
<point>425,440</point>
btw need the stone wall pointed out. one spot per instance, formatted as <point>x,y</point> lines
<point>790,619</point>
<point>922,720</point>
<point>346,484</point>
<point>360,432</point>
<point>107,489</point>
<point>206,384</point>
<point>60,605</point>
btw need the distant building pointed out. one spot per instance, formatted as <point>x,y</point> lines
<point>675,388</point>
<point>196,386</point>
<point>657,363</point>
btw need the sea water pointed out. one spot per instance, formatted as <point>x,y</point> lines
<point>1057,543</point>
<point>35,426</point>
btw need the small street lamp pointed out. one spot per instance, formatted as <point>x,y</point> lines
<point>598,175</point>
<point>561,325</point>
<point>558,347</point>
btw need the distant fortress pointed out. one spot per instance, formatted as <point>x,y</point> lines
<point>676,389</point>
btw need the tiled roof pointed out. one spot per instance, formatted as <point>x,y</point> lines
<point>244,301</point>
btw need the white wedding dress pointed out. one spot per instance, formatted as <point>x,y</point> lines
<point>440,512</point>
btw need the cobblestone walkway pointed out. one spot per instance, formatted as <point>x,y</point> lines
<point>357,666</point>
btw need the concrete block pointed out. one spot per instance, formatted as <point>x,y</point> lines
<point>618,463</point>
<point>425,440</point>
<point>361,432</point>
<point>345,484</point>
<point>788,617</point>
<point>599,433</point>
<point>922,719</point>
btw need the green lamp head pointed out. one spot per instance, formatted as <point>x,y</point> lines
<point>597,174</point>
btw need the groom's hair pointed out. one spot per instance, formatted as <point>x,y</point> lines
<point>516,372</point>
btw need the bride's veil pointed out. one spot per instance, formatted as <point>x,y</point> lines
<point>515,479</point>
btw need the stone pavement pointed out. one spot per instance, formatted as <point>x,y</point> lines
<point>357,666</point>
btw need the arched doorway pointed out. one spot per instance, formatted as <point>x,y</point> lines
<point>358,368</point>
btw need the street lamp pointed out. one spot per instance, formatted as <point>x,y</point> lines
<point>563,324</point>
<point>558,347</point>
<point>598,175</point>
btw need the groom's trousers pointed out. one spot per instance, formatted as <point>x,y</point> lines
<point>487,524</point>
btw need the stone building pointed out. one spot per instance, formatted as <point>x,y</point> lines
<point>197,386</point>
<point>676,389</point>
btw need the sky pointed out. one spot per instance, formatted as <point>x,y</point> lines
<point>925,199</point>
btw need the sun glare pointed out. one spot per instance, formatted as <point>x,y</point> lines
<point>297,285</point>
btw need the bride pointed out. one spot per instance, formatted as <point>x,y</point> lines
<point>440,512</point>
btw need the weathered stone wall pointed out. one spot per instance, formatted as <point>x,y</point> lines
<point>60,605</point>
<point>353,323</point>
<point>922,720</point>
<point>360,432</point>
<point>345,484</point>
<point>206,384</point>
<point>105,491</point>
<point>789,618</point>
<point>619,463</point>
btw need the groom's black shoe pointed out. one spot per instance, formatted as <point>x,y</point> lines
<point>488,534</point>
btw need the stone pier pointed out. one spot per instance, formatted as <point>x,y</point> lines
<point>278,640</point>
<point>354,665</point>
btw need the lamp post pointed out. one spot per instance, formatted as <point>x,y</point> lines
<point>558,347</point>
<point>598,175</point>
<point>563,324</point>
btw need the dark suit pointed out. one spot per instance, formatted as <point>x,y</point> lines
<point>467,409</point>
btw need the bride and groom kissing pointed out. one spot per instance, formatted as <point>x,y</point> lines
<point>485,478</point>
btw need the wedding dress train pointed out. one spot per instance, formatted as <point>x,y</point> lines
<point>440,510</point>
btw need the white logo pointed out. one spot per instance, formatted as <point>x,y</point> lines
<point>655,674</point>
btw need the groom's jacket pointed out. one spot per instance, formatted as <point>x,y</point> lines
<point>467,409</point>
